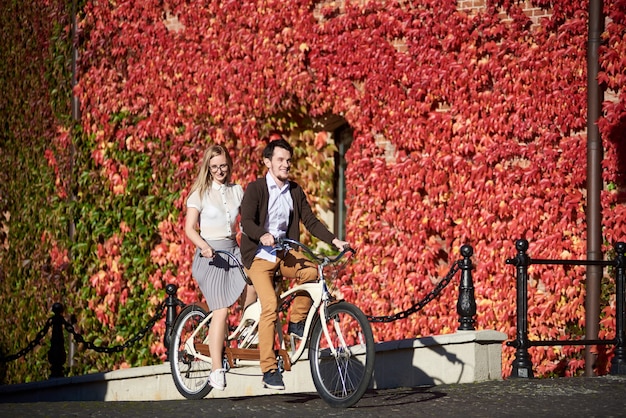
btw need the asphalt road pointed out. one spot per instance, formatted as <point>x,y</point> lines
<point>564,397</point>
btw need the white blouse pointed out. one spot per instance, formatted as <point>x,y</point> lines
<point>218,208</point>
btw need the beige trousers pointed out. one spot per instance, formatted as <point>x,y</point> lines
<point>261,272</point>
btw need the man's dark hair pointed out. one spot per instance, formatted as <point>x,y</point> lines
<point>277,143</point>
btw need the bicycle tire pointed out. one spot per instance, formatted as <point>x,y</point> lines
<point>342,380</point>
<point>190,374</point>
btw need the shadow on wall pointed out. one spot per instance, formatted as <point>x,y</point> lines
<point>399,368</point>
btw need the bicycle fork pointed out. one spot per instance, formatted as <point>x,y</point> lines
<point>324,322</point>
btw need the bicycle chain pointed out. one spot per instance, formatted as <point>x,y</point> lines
<point>420,304</point>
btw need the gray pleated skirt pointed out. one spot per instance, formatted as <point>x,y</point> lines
<point>219,278</point>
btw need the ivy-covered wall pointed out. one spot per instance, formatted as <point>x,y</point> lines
<point>469,127</point>
<point>34,114</point>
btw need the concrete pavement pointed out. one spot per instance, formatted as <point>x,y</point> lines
<point>562,397</point>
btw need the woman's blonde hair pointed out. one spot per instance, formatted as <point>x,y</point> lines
<point>205,177</point>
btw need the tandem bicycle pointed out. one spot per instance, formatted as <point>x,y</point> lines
<point>337,338</point>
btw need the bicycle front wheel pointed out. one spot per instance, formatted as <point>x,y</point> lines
<point>190,374</point>
<point>342,365</point>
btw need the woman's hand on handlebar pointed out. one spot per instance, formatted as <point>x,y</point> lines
<point>207,252</point>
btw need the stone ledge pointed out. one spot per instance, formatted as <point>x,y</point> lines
<point>462,357</point>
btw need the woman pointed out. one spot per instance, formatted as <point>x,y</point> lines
<point>213,204</point>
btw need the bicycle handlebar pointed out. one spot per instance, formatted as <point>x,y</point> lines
<point>287,242</point>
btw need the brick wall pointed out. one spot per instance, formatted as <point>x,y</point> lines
<point>470,6</point>
<point>534,13</point>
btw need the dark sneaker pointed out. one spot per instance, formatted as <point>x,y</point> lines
<point>273,380</point>
<point>296,328</point>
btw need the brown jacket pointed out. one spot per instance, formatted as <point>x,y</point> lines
<point>254,211</point>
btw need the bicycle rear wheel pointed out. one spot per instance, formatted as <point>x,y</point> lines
<point>341,378</point>
<point>190,374</point>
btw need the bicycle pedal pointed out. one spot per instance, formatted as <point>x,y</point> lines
<point>225,364</point>
<point>280,363</point>
<point>294,340</point>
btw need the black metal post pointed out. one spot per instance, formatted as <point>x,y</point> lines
<point>618,364</point>
<point>522,365</point>
<point>170,315</point>
<point>466,305</point>
<point>56,355</point>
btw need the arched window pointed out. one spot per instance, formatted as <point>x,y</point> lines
<point>343,139</point>
<point>341,134</point>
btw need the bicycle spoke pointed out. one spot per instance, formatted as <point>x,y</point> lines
<point>343,361</point>
<point>190,373</point>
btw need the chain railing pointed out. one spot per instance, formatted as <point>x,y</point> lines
<point>116,348</point>
<point>466,308</point>
<point>466,305</point>
<point>31,345</point>
<point>57,322</point>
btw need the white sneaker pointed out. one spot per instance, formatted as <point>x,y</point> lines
<point>217,379</point>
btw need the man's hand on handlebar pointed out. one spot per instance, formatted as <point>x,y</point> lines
<point>268,240</point>
<point>342,245</point>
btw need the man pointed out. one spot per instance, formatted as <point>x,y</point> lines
<point>273,207</point>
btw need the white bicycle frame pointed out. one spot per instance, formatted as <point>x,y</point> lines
<point>318,291</point>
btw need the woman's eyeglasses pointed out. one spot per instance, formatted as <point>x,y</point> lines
<point>222,167</point>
